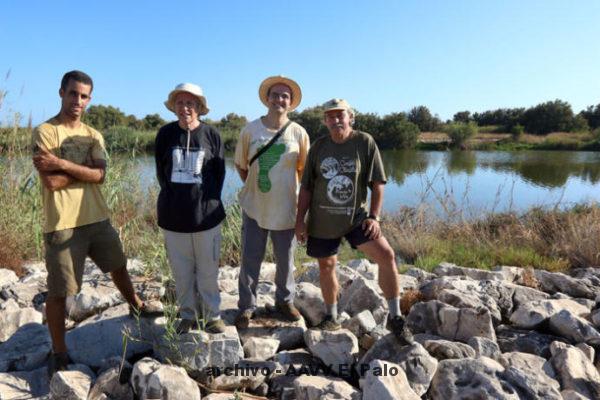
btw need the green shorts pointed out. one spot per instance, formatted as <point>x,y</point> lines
<point>67,249</point>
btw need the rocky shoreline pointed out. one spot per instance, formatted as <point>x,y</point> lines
<point>510,333</point>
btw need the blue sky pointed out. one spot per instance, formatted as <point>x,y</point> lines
<point>382,56</point>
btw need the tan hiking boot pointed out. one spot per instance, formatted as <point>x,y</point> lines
<point>288,311</point>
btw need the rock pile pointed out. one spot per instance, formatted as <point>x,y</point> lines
<point>509,333</point>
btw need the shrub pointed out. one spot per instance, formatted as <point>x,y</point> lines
<point>459,133</point>
<point>517,132</point>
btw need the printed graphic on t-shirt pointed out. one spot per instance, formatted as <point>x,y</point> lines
<point>187,165</point>
<point>266,161</point>
<point>77,149</point>
<point>340,187</point>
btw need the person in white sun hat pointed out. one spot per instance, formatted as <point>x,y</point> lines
<point>190,168</point>
<point>269,158</point>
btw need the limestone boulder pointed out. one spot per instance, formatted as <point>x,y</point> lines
<point>153,380</point>
<point>387,381</point>
<point>309,302</point>
<point>318,387</point>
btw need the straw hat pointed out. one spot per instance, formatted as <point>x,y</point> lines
<point>271,81</point>
<point>192,89</point>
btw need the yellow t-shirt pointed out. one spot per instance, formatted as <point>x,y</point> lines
<point>270,193</point>
<point>80,203</point>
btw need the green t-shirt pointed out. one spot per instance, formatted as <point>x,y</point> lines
<point>338,176</point>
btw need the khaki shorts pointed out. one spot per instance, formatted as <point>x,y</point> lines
<point>67,249</point>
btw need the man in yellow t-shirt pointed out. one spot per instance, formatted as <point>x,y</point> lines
<point>70,159</point>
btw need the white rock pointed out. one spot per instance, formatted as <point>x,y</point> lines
<point>107,386</point>
<point>365,268</point>
<point>361,295</point>
<point>574,370</point>
<point>574,328</point>
<point>152,380</point>
<point>387,381</point>
<point>7,277</point>
<point>260,348</point>
<point>11,320</point>
<point>102,336</point>
<point>26,349</point>
<point>531,315</point>
<point>361,323</point>
<point>70,385</point>
<point>309,302</point>
<point>24,384</point>
<point>92,300</point>
<point>337,349</point>
<point>319,387</point>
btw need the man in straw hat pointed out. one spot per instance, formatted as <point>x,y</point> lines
<point>191,169</point>
<point>269,157</point>
<point>71,161</point>
<point>339,170</point>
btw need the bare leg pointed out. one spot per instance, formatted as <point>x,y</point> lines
<point>55,315</point>
<point>380,252</point>
<point>123,282</point>
<point>329,283</point>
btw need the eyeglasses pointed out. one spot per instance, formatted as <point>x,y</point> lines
<point>188,104</point>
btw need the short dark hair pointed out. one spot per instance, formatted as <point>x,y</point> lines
<point>77,76</point>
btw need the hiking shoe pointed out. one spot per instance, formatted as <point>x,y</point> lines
<point>186,325</point>
<point>57,362</point>
<point>288,311</point>
<point>215,326</point>
<point>329,324</point>
<point>242,320</point>
<point>398,327</point>
<point>149,309</point>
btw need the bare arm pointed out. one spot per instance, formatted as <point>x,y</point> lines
<point>46,162</point>
<point>55,180</point>
<point>304,198</point>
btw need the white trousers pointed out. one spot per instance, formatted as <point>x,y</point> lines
<point>194,261</point>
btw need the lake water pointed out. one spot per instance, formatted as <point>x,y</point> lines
<point>472,181</point>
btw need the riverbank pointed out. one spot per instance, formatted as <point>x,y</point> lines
<point>550,239</point>
<point>128,140</point>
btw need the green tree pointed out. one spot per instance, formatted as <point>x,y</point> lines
<point>462,116</point>
<point>102,117</point>
<point>459,133</point>
<point>152,122</point>
<point>422,117</point>
<point>368,122</point>
<point>312,120</point>
<point>232,122</point>
<point>551,116</point>
<point>592,115</point>
<point>397,133</point>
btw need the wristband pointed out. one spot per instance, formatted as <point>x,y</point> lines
<point>375,217</point>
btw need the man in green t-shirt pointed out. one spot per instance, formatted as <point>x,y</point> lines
<point>340,169</point>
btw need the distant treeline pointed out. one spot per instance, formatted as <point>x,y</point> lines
<point>395,130</point>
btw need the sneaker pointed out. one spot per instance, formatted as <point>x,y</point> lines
<point>329,324</point>
<point>242,320</point>
<point>398,327</point>
<point>215,326</point>
<point>288,311</point>
<point>186,325</point>
<point>57,362</point>
<point>149,309</point>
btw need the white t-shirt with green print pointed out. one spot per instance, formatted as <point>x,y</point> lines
<point>270,193</point>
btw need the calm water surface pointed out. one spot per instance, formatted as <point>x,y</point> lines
<point>472,181</point>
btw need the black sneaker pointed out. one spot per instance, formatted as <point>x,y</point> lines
<point>398,327</point>
<point>329,324</point>
<point>57,362</point>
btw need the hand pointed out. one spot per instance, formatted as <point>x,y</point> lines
<point>44,161</point>
<point>301,234</point>
<point>372,228</point>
